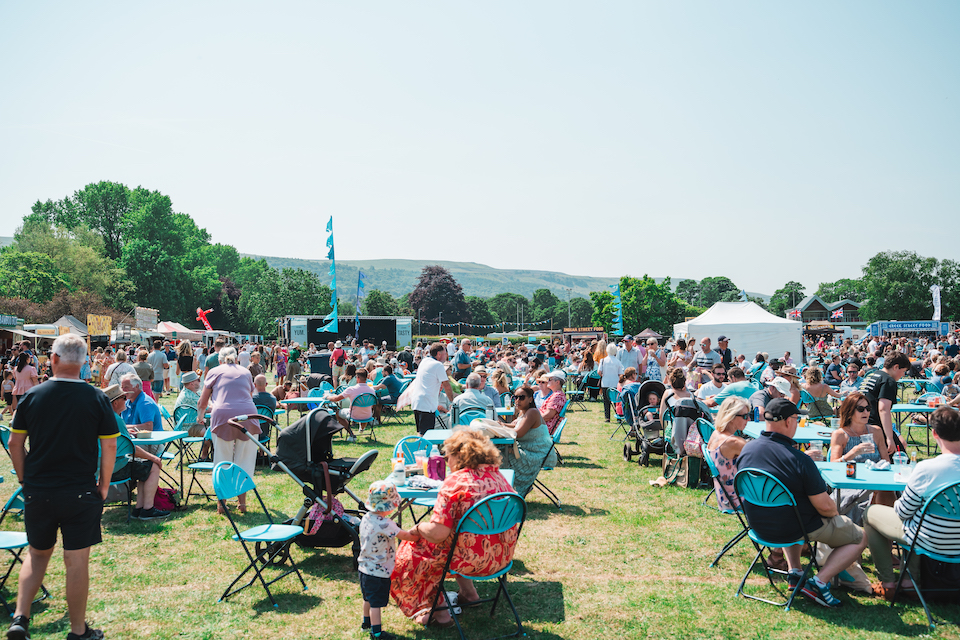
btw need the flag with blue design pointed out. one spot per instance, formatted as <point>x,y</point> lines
<point>330,225</point>
<point>743,295</point>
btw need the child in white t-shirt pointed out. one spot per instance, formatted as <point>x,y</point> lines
<point>378,554</point>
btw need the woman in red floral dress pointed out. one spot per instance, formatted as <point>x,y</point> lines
<point>474,462</point>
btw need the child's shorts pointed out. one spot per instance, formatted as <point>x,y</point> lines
<point>375,590</point>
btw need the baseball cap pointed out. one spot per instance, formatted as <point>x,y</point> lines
<point>722,339</point>
<point>559,375</point>
<point>780,384</point>
<point>628,337</point>
<point>781,409</point>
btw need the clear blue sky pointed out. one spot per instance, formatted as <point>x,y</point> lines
<point>764,141</point>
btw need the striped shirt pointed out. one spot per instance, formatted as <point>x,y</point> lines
<point>940,535</point>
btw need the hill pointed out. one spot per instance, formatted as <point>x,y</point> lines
<point>400,277</point>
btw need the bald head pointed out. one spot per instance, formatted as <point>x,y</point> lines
<point>260,382</point>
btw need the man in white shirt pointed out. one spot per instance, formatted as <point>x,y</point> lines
<point>715,385</point>
<point>243,358</point>
<point>451,348</point>
<point>425,388</point>
<point>630,356</point>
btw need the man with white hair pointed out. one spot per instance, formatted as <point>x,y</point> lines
<point>64,418</point>
<point>473,398</point>
<point>461,360</point>
<point>142,413</point>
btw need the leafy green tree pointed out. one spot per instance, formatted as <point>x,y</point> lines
<point>437,292</point>
<point>380,303</point>
<point>717,289</point>
<point>648,304</point>
<point>480,311</point>
<point>602,302</point>
<point>897,287</point>
<point>851,289</point>
<point>102,207</point>
<point>507,307</point>
<point>581,312</point>
<point>543,304</point>
<point>30,275</point>
<point>689,291</point>
<point>787,297</point>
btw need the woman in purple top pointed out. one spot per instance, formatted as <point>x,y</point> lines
<point>229,387</point>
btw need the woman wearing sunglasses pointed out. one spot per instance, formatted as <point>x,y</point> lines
<point>856,441</point>
<point>533,442</point>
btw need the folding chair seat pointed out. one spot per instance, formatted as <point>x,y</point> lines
<point>539,484</point>
<point>201,467</point>
<point>15,542</point>
<point>364,400</point>
<point>494,514</point>
<point>266,545</point>
<point>944,505</point>
<point>715,474</point>
<point>408,446</point>
<point>614,396</point>
<point>763,490</point>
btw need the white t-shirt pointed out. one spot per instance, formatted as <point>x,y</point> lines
<point>378,550</point>
<point>451,348</point>
<point>709,390</point>
<point>243,359</point>
<point>425,388</point>
<point>610,371</point>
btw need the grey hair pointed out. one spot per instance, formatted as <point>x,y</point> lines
<point>474,381</point>
<point>132,378</point>
<point>228,355</point>
<point>611,350</point>
<point>71,348</point>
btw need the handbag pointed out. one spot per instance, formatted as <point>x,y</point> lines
<point>197,430</point>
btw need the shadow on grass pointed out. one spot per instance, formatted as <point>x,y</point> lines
<point>287,602</point>
<point>545,510</point>
<point>573,464</point>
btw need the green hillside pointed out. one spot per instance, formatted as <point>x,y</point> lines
<point>400,276</point>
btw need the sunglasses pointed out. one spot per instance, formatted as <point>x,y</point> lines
<point>861,408</point>
<point>745,416</point>
<point>520,397</point>
<point>719,375</point>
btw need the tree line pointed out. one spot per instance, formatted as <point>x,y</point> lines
<point>107,247</point>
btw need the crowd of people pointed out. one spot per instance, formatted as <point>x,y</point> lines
<point>453,379</point>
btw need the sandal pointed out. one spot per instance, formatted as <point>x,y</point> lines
<point>887,592</point>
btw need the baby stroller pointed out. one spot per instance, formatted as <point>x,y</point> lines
<point>304,452</point>
<point>646,429</point>
<point>688,471</point>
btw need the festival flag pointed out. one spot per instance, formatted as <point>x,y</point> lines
<point>330,225</point>
<point>333,324</point>
<point>743,295</point>
<point>795,313</point>
<point>837,315</point>
<point>360,293</point>
<point>935,290</point>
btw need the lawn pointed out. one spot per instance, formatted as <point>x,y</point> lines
<point>621,559</point>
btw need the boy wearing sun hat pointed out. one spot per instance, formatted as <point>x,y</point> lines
<point>378,553</point>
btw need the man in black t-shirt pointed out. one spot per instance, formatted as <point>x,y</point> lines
<point>880,389</point>
<point>64,418</point>
<point>775,452</point>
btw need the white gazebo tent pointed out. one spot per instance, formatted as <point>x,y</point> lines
<point>750,328</point>
<point>177,331</point>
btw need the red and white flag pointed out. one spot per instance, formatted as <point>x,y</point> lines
<point>837,314</point>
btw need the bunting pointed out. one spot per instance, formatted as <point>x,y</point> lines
<point>332,319</point>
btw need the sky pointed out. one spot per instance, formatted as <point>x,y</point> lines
<point>761,141</point>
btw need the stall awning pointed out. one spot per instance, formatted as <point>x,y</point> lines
<point>20,332</point>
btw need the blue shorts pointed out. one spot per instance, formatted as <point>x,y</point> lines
<point>157,386</point>
<point>376,591</point>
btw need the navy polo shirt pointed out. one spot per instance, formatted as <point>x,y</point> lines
<point>776,454</point>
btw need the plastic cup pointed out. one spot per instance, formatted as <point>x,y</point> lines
<point>868,437</point>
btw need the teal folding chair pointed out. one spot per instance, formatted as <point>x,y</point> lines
<point>614,396</point>
<point>266,545</point>
<point>166,416</point>
<point>185,417</point>
<point>125,453</point>
<point>266,430</point>
<point>362,401</point>
<point>494,514</point>
<point>201,467</point>
<point>715,474</point>
<point>763,490</point>
<point>705,428</point>
<point>467,416</point>
<point>408,447</point>
<point>15,542</point>
<point>538,483</point>
<point>944,505</point>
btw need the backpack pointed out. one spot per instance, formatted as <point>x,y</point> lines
<point>340,359</point>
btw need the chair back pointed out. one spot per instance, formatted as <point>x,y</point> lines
<point>183,411</point>
<point>558,431</point>
<point>324,387</point>
<point>505,398</point>
<point>762,489</point>
<point>563,411</point>
<point>230,480</point>
<point>942,505</point>
<point>467,415</point>
<point>755,376</point>
<point>408,446</point>
<point>5,436</point>
<point>494,514</point>
<point>14,503</point>
<point>316,392</point>
<point>614,395</point>
<point>706,429</point>
<point>165,415</point>
<point>805,397</point>
<point>363,400</point>
<point>714,472</point>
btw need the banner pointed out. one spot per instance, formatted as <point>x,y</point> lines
<point>935,290</point>
<point>298,330</point>
<point>98,325</point>
<point>145,318</point>
<point>404,332</point>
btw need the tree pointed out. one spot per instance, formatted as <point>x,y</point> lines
<point>437,292</point>
<point>602,316</point>
<point>103,207</point>
<point>508,307</point>
<point>897,287</point>
<point>480,311</point>
<point>717,289</point>
<point>689,291</point>
<point>30,275</point>
<point>380,303</point>
<point>785,298</point>
<point>581,312</point>
<point>845,288</point>
<point>543,304</point>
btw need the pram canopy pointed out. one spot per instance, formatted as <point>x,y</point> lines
<point>292,443</point>
<point>636,396</point>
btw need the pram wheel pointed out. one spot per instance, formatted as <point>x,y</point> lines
<point>627,452</point>
<point>644,455</point>
<point>265,550</point>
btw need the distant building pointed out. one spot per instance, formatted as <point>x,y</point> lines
<point>815,309</point>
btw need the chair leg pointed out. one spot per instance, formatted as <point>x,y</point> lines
<point>713,490</point>
<point>545,490</point>
<point>516,616</point>
<point>730,545</point>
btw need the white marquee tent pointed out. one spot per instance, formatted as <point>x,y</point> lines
<point>750,328</point>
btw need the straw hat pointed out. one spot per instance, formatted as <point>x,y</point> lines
<point>113,392</point>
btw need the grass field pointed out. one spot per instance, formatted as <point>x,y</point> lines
<point>621,559</point>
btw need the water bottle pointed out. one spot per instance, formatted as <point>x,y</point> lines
<point>398,477</point>
<point>756,414</point>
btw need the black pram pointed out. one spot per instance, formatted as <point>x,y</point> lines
<point>644,420</point>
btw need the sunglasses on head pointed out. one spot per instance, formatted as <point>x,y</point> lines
<point>862,407</point>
